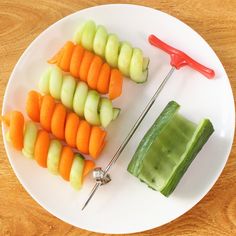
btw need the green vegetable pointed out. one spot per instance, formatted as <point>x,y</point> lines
<point>168,148</point>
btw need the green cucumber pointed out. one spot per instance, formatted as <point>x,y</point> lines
<point>44,81</point>
<point>124,58</point>
<point>112,50</point>
<point>80,96</point>
<point>91,108</point>
<point>106,112</point>
<point>8,136</point>
<point>67,91</point>
<point>146,61</point>
<point>55,82</point>
<point>78,33</point>
<point>88,33</point>
<point>76,173</point>
<point>53,158</point>
<point>100,41</point>
<point>168,148</point>
<point>30,136</point>
<point>116,113</point>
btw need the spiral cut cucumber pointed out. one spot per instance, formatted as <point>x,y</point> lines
<point>49,153</point>
<point>65,125</point>
<point>90,68</point>
<point>77,96</point>
<point>129,60</point>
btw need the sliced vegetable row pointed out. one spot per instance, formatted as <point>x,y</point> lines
<point>65,125</point>
<point>122,55</point>
<point>89,68</point>
<point>49,153</point>
<point>77,96</point>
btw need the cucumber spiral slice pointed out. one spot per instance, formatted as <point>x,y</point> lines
<point>129,60</point>
<point>78,97</point>
<point>89,67</point>
<point>65,125</point>
<point>51,156</point>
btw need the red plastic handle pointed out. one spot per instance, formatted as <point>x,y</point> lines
<point>179,58</point>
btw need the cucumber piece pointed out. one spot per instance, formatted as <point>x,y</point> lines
<point>44,81</point>
<point>53,158</point>
<point>116,113</point>
<point>168,148</point>
<point>30,136</point>
<point>146,61</point>
<point>91,108</point>
<point>76,173</point>
<point>80,96</point>
<point>112,50</point>
<point>100,41</point>
<point>8,136</point>
<point>106,112</point>
<point>136,66</point>
<point>124,58</point>
<point>55,82</point>
<point>67,91</point>
<point>88,34</point>
<point>78,33</point>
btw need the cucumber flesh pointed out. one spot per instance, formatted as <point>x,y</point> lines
<point>146,61</point>
<point>44,81</point>
<point>91,108</point>
<point>116,113</point>
<point>88,34</point>
<point>106,112</point>
<point>100,40</point>
<point>78,33</point>
<point>168,148</point>
<point>80,96</point>
<point>55,82</point>
<point>112,50</point>
<point>76,172</point>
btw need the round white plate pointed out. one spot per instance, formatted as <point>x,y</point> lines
<point>126,205</point>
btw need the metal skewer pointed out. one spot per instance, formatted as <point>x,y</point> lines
<point>178,60</point>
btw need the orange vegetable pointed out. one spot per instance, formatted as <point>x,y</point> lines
<point>66,57</point>
<point>83,136</point>
<point>56,58</point>
<point>71,128</point>
<point>85,65</point>
<point>88,167</point>
<point>104,79</point>
<point>67,157</point>
<point>115,86</point>
<point>6,119</point>
<point>33,104</point>
<point>41,148</point>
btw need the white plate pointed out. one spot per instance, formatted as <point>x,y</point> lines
<point>126,205</point>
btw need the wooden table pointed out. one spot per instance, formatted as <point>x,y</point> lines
<point>22,21</point>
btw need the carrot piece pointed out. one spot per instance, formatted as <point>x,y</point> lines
<point>76,59</point>
<point>116,81</point>
<point>72,124</point>
<point>46,112</point>
<point>58,121</point>
<point>104,79</point>
<point>16,129</point>
<point>33,103</point>
<point>41,148</point>
<point>94,71</point>
<point>97,141</point>
<point>88,167</point>
<point>6,119</point>
<point>57,57</point>
<point>83,136</point>
<point>85,64</point>
<point>67,157</point>
<point>66,57</point>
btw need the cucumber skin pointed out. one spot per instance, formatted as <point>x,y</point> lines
<point>160,123</point>
<point>200,137</point>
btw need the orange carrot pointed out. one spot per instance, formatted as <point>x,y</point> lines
<point>41,148</point>
<point>66,57</point>
<point>72,124</point>
<point>96,142</point>
<point>57,57</point>
<point>94,71</point>
<point>104,79</point>
<point>83,136</point>
<point>16,129</point>
<point>76,59</point>
<point>88,167</point>
<point>33,105</point>
<point>6,119</point>
<point>67,157</point>
<point>85,64</point>
<point>58,121</point>
<point>116,81</point>
<point>46,112</point>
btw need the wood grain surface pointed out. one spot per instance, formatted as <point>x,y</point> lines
<point>22,20</point>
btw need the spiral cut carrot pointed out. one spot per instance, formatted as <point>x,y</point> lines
<point>65,125</point>
<point>90,68</point>
<point>48,153</point>
<point>77,96</point>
